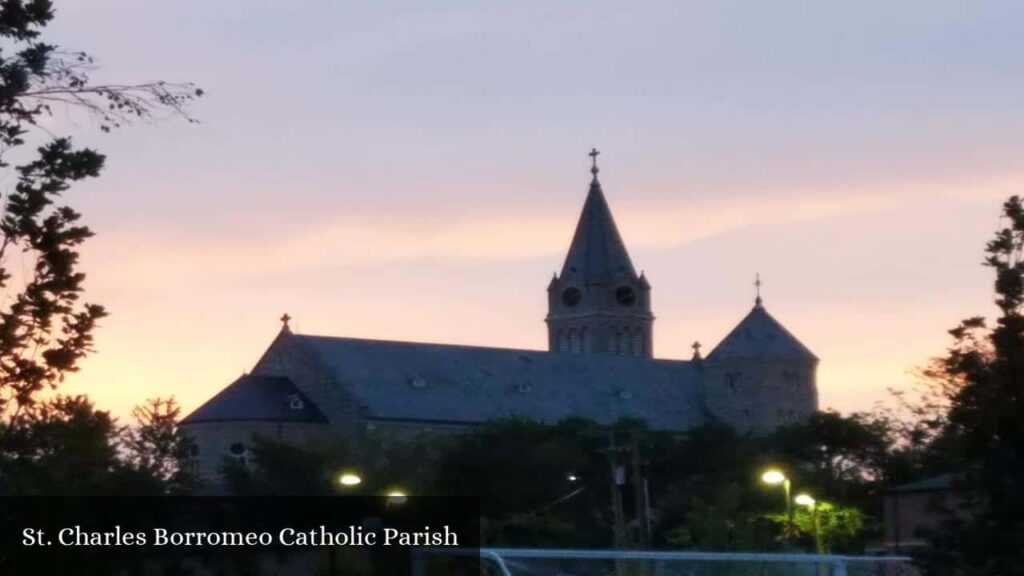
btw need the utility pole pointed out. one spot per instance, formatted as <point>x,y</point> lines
<point>641,497</point>
<point>618,479</point>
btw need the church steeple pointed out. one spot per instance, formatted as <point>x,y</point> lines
<point>597,254</point>
<point>598,303</point>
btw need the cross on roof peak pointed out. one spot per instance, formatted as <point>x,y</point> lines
<point>757,287</point>
<point>284,321</point>
<point>593,155</point>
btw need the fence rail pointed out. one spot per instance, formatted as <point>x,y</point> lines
<point>505,559</point>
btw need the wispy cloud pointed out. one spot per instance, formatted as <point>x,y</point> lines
<point>519,234</point>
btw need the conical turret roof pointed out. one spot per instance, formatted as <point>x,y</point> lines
<point>597,254</point>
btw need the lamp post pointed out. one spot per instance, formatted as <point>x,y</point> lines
<point>812,504</point>
<point>775,477</point>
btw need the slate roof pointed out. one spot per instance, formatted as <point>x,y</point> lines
<point>256,397</point>
<point>597,254</point>
<point>466,384</point>
<point>760,336</point>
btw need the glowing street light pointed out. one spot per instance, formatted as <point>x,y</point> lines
<point>774,477</point>
<point>397,497</point>
<point>809,502</point>
<point>572,477</point>
<point>350,479</point>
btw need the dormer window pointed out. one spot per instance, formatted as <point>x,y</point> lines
<point>295,402</point>
<point>417,382</point>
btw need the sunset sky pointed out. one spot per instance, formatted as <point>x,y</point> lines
<point>414,171</point>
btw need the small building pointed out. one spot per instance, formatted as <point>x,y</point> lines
<point>911,508</point>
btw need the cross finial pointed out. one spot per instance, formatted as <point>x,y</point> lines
<point>593,154</point>
<point>696,350</point>
<point>757,286</point>
<point>284,320</point>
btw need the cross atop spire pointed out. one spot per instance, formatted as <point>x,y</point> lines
<point>284,322</point>
<point>696,350</point>
<point>757,286</point>
<point>597,254</point>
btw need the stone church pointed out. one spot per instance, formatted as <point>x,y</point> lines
<point>599,365</point>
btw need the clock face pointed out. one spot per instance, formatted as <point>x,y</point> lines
<point>571,297</point>
<point>625,296</point>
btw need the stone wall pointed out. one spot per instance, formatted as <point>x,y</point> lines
<point>214,442</point>
<point>760,395</point>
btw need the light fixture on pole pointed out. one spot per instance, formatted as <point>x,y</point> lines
<point>349,479</point>
<point>807,501</point>
<point>775,477</point>
<point>397,497</point>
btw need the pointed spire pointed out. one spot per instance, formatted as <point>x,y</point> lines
<point>597,254</point>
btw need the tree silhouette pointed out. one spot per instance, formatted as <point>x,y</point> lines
<point>983,532</point>
<point>45,327</point>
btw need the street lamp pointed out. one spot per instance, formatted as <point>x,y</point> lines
<point>397,497</point>
<point>807,501</point>
<point>774,477</point>
<point>350,479</point>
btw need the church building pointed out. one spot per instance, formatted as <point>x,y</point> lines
<point>599,365</point>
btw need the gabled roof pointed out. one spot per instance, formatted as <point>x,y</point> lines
<point>757,336</point>
<point>597,254</point>
<point>255,397</point>
<point>465,384</point>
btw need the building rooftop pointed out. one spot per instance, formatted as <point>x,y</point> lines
<point>255,397</point>
<point>760,336</point>
<point>469,384</point>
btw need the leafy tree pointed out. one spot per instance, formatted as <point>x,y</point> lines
<point>156,447</point>
<point>59,444</point>
<point>45,328</point>
<point>838,458</point>
<point>283,468</point>
<point>72,448</point>
<point>985,424</point>
<point>724,521</point>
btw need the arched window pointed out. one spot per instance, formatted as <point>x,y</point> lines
<point>574,342</point>
<point>624,339</point>
<point>732,381</point>
<point>638,342</point>
<point>561,343</point>
<point>588,345</point>
<point>192,460</point>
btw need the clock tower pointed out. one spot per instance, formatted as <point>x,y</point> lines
<point>598,304</point>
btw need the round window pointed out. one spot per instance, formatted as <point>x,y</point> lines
<point>572,296</point>
<point>625,296</point>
